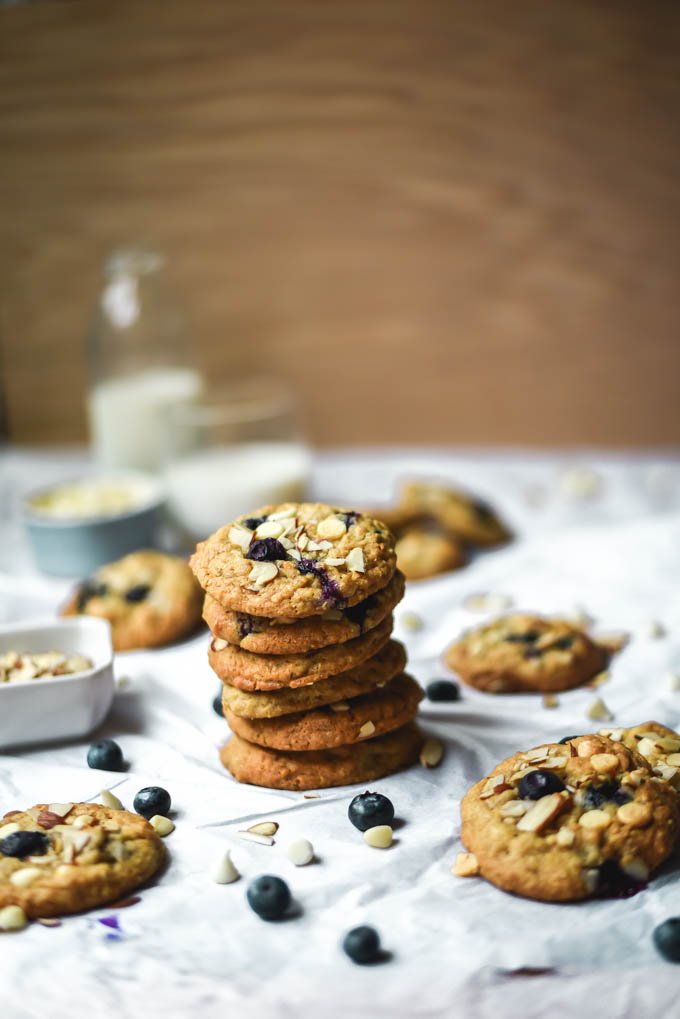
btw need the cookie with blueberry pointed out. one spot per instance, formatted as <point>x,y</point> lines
<point>334,725</point>
<point>149,598</point>
<point>318,769</point>
<point>423,552</point>
<point>285,636</point>
<point>469,518</point>
<point>66,857</point>
<point>273,672</point>
<point>522,653</point>
<point>371,675</point>
<point>295,560</point>
<point>569,821</point>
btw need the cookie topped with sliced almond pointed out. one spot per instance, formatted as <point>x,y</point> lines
<point>60,858</point>
<point>566,821</point>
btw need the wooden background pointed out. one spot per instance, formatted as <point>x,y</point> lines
<point>442,221</point>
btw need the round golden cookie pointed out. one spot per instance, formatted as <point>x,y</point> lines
<point>271,672</point>
<point>90,855</point>
<point>471,519</point>
<point>376,672</point>
<point>319,769</point>
<point>524,653</point>
<point>149,598</point>
<point>335,725</point>
<point>659,745</point>
<point>568,821</point>
<point>281,636</point>
<point>423,553</point>
<point>295,560</point>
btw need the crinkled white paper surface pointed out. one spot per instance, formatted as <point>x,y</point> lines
<point>607,542</point>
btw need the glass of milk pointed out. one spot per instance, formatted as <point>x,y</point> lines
<point>140,361</point>
<point>234,450</point>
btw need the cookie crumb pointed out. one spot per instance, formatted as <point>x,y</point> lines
<point>412,622</point>
<point>466,865</point>
<point>655,629</point>
<point>549,700</point>
<point>598,711</point>
<point>487,602</point>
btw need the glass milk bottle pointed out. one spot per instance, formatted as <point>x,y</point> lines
<point>140,364</point>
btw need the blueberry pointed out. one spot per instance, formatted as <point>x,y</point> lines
<point>370,809</point>
<point>137,593</point>
<point>442,690</point>
<point>532,652</point>
<point>595,796</point>
<point>330,592</point>
<point>357,613</point>
<point>350,518</point>
<point>253,522</point>
<point>523,638</point>
<point>267,550</point>
<point>268,896</point>
<point>246,625</point>
<point>562,643</point>
<point>106,755</point>
<point>539,783</point>
<point>24,843</point>
<point>481,509</point>
<point>362,944</point>
<point>217,704</point>
<point>89,589</point>
<point>614,883</point>
<point>666,938</point>
<point>566,739</point>
<point>152,800</point>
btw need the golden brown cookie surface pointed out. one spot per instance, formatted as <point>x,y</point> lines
<point>335,725</point>
<point>85,856</point>
<point>277,635</point>
<point>567,821</point>
<point>149,598</point>
<point>318,769</point>
<point>271,672</point>
<point>524,653</point>
<point>295,560</point>
<point>373,673</point>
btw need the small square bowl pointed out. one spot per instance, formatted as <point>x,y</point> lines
<point>59,707</point>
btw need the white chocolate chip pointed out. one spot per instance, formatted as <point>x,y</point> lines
<point>109,800</point>
<point>264,828</point>
<point>379,837</point>
<point>161,825</point>
<point>270,529</point>
<point>604,763</point>
<point>598,711</point>
<point>224,871</point>
<point>12,918</point>
<point>355,561</point>
<point>647,747</point>
<point>340,706</point>
<point>432,753</point>
<point>25,877</point>
<point>593,819</point>
<point>466,865</point>
<point>635,868</point>
<point>565,837</point>
<point>411,621</point>
<point>240,536</point>
<point>331,527</point>
<point>284,514</point>
<point>367,729</point>
<point>219,644</point>
<point>300,852</point>
<point>251,836</point>
<point>636,815</point>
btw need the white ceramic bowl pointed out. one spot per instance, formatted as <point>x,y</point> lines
<point>59,707</point>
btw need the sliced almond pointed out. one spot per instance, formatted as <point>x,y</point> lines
<point>318,546</point>
<point>355,561</point>
<point>542,812</point>
<point>432,753</point>
<point>466,865</point>
<point>82,821</point>
<point>604,763</point>
<point>8,829</point>
<point>665,772</point>
<point>294,554</point>
<point>647,747</point>
<point>494,785</point>
<point>534,756</point>
<point>251,836</point>
<point>117,849</point>
<point>241,537</point>
<point>514,808</point>
<point>263,573</point>
<point>46,819</point>
<point>109,800</point>
<point>284,514</point>
<point>264,828</point>
<point>367,729</point>
<point>340,706</point>
<point>555,762</point>
<point>328,561</point>
<point>62,809</point>
<point>673,760</point>
<point>594,819</point>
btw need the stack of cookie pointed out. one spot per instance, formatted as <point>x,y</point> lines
<point>299,600</point>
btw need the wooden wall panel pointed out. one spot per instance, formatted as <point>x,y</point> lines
<point>444,222</point>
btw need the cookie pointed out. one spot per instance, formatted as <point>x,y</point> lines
<point>659,745</point>
<point>318,769</point>
<point>522,653</point>
<point>271,672</point>
<point>281,636</point>
<point>295,560</point>
<point>374,673</point>
<point>338,724</point>
<point>149,598</point>
<point>422,553</point>
<point>565,822</point>
<point>83,855</point>
<point>463,515</point>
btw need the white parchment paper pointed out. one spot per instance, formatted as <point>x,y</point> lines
<point>458,947</point>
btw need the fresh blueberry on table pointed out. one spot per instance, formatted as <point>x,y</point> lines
<point>539,783</point>
<point>442,690</point>
<point>362,944</point>
<point>370,809</point>
<point>105,755</point>
<point>217,704</point>
<point>666,938</point>
<point>24,843</point>
<point>152,800</point>
<point>268,896</point>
